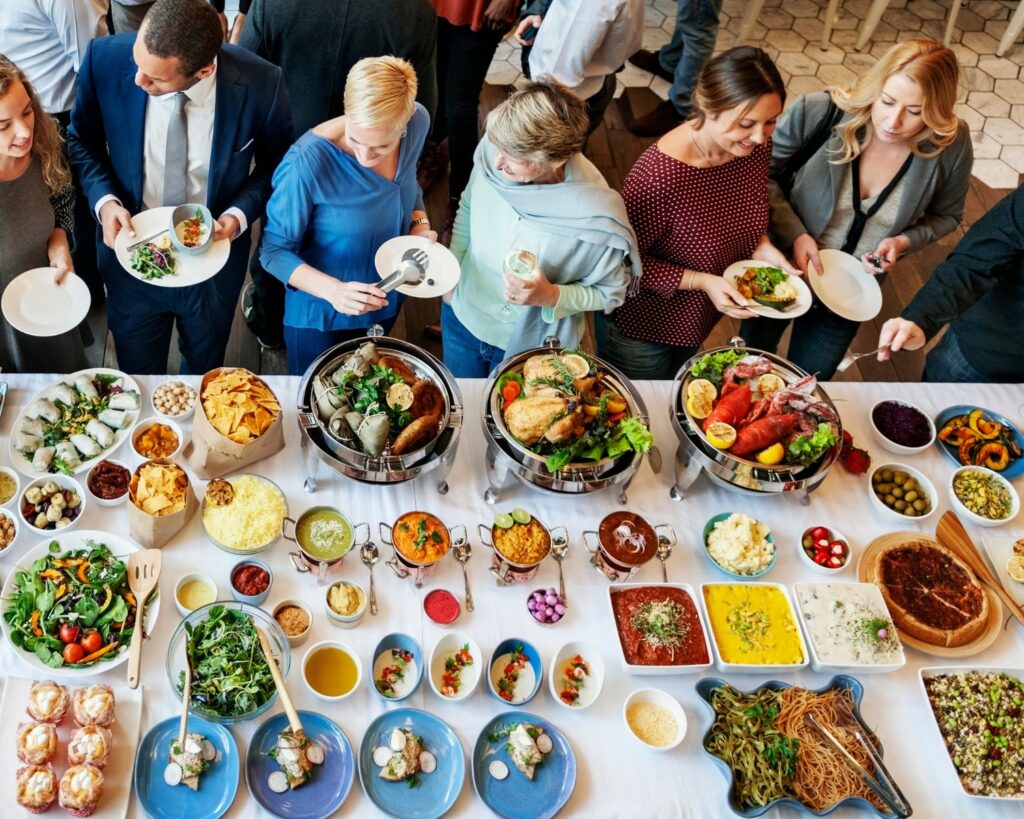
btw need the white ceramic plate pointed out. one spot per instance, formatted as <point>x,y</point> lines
<point>190,269</point>
<point>846,288</point>
<point>999,550</point>
<point>117,775</point>
<point>443,270</point>
<point>36,306</point>
<point>76,539</point>
<point>803,294</point>
<point>24,464</point>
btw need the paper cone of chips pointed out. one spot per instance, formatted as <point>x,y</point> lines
<point>238,422</point>
<point>160,502</point>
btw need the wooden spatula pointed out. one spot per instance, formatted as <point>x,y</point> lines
<point>951,534</point>
<point>293,716</point>
<point>143,576</point>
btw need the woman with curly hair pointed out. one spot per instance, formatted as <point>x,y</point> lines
<point>37,202</point>
<point>879,169</point>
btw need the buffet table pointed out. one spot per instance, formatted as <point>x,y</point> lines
<point>616,777</point>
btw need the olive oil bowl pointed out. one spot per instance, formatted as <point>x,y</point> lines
<point>331,670</point>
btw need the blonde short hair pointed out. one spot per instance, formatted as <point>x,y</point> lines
<point>380,92</point>
<point>928,64</point>
<point>543,122</point>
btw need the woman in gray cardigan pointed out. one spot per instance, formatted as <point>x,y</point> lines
<point>889,178</point>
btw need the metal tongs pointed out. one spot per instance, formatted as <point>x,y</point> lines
<point>884,787</point>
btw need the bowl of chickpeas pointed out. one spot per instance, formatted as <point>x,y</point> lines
<point>174,399</point>
<point>902,491</point>
<point>52,503</point>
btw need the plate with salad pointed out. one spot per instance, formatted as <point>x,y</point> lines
<point>770,291</point>
<point>67,607</point>
<point>151,257</point>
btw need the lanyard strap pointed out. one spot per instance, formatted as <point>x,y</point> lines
<point>860,218</point>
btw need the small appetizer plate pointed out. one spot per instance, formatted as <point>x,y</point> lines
<point>436,792</point>
<point>33,304</point>
<point>531,676</point>
<point>217,786</point>
<point>515,796</point>
<point>412,670</point>
<point>589,687</point>
<point>469,675</point>
<point>846,288</point>
<point>330,783</point>
<point>154,224</point>
<point>803,293</point>
<point>442,273</point>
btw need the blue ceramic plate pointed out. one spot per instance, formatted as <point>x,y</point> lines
<point>330,784</point>
<point>494,674</point>
<point>516,797</point>
<point>437,791</point>
<point>709,526</point>
<point>217,787</point>
<point>709,684</point>
<point>1015,468</point>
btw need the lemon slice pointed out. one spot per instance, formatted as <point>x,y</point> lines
<point>399,396</point>
<point>769,383</point>
<point>1015,568</point>
<point>577,365</point>
<point>771,456</point>
<point>721,435</point>
<point>698,406</point>
<point>702,387</point>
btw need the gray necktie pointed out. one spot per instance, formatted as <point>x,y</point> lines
<point>176,154</point>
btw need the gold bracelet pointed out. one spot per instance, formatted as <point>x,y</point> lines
<point>693,275</point>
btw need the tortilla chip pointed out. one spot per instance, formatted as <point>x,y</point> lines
<point>159,489</point>
<point>239,405</point>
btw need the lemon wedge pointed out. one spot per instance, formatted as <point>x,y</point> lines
<point>721,435</point>
<point>577,365</point>
<point>399,396</point>
<point>1015,568</point>
<point>769,383</point>
<point>771,456</point>
<point>702,387</point>
<point>698,406</point>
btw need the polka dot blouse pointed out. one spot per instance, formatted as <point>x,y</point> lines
<point>689,218</point>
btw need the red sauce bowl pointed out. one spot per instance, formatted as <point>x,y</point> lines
<point>442,607</point>
<point>251,581</point>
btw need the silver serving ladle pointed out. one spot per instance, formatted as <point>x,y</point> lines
<point>463,551</point>
<point>411,270</point>
<point>560,551</point>
<point>663,552</point>
<point>370,555</point>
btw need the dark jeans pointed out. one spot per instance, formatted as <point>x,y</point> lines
<point>692,44</point>
<point>266,320</point>
<point>946,364</point>
<point>641,360</point>
<point>463,57</point>
<point>305,344</point>
<point>464,354</point>
<point>820,338</point>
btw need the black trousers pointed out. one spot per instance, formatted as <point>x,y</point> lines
<point>84,243</point>
<point>266,320</point>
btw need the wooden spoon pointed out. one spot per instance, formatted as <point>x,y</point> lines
<point>185,697</point>
<point>143,576</point>
<point>951,534</point>
<point>293,716</point>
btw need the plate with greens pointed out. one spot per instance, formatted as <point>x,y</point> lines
<point>67,608</point>
<point>770,291</point>
<point>231,680</point>
<point>150,257</point>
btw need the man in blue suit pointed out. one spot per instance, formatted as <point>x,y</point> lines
<point>168,116</point>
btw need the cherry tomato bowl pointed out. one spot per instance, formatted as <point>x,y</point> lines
<point>824,549</point>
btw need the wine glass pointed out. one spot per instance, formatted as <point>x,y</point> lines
<point>523,264</point>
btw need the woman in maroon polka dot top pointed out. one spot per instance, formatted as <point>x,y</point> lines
<point>698,202</point>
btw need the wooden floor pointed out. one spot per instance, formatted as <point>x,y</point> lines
<point>613,149</point>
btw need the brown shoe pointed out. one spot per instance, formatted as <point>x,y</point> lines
<point>648,61</point>
<point>662,119</point>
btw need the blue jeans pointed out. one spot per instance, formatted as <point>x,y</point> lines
<point>946,364</point>
<point>692,44</point>
<point>464,354</point>
<point>819,341</point>
<point>305,344</point>
<point>643,360</point>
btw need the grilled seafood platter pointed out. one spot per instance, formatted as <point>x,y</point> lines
<point>564,408</point>
<point>757,412</point>
<point>378,404</point>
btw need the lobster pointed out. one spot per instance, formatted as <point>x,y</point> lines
<point>730,409</point>
<point>762,434</point>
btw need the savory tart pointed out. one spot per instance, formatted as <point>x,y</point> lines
<point>91,745</point>
<point>931,594</point>
<point>37,788</point>
<point>94,705</point>
<point>48,702</point>
<point>37,743</point>
<point>80,789</point>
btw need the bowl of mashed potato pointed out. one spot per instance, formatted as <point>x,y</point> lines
<point>739,545</point>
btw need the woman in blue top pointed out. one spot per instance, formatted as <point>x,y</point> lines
<point>342,190</point>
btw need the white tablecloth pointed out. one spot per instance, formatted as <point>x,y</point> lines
<point>615,777</point>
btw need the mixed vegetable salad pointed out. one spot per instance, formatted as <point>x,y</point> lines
<point>154,260</point>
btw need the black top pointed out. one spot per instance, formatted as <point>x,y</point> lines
<point>979,290</point>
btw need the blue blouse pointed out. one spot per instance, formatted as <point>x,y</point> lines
<point>330,212</point>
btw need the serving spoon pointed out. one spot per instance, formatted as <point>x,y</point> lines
<point>663,552</point>
<point>370,554</point>
<point>560,551</point>
<point>462,554</point>
<point>143,576</point>
<point>412,270</point>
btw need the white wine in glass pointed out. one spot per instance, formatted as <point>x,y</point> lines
<point>522,264</point>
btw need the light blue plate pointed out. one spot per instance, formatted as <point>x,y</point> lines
<point>437,791</point>
<point>516,797</point>
<point>1014,470</point>
<point>709,528</point>
<point>217,787</point>
<point>330,784</point>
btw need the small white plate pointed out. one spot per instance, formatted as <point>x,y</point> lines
<point>189,270</point>
<point>846,288</point>
<point>443,270</point>
<point>803,294</point>
<point>36,306</point>
<point>999,549</point>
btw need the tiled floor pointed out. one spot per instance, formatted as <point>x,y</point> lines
<point>992,94</point>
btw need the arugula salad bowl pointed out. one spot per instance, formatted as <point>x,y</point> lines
<point>231,681</point>
<point>63,593</point>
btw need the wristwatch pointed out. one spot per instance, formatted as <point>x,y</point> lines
<point>415,223</point>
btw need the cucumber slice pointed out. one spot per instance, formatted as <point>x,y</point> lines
<point>504,521</point>
<point>521,516</point>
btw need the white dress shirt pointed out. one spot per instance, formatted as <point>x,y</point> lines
<point>47,40</point>
<point>581,42</point>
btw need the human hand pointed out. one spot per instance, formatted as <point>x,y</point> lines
<point>61,260</point>
<point>357,298</point>
<point>114,218</point>
<point>227,227</point>
<point>532,21</point>
<point>425,231</point>
<point>767,252</point>
<point>805,253</point>
<point>497,11</point>
<point>535,291</point>
<point>885,255</point>
<point>726,298</point>
<point>899,334</point>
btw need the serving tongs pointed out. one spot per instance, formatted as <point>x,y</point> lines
<point>883,786</point>
<point>412,270</point>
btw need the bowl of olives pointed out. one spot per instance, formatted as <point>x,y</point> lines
<point>902,491</point>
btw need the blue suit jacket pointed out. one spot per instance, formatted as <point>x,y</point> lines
<point>252,121</point>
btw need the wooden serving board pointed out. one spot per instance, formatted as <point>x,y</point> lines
<point>865,571</point>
